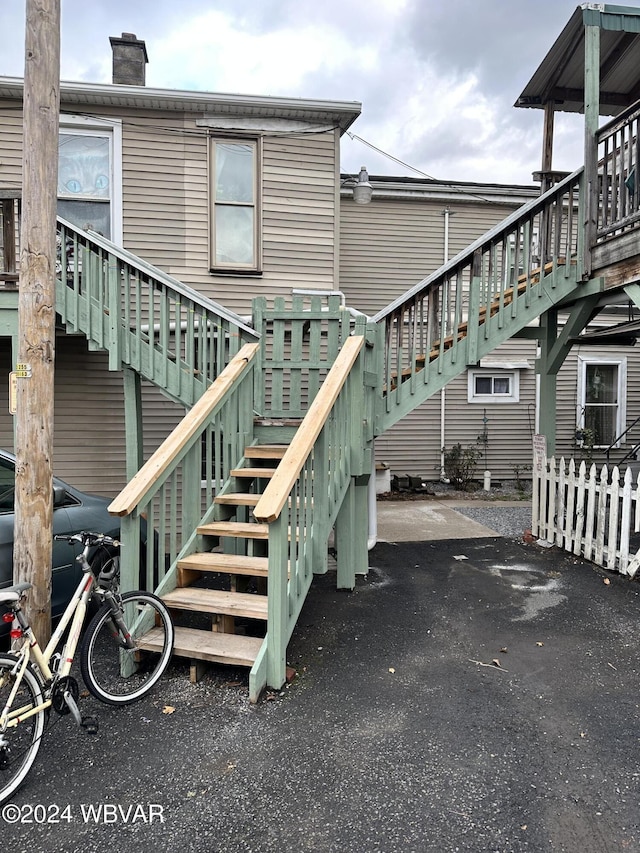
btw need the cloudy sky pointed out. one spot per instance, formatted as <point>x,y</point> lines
<point>437,79</point>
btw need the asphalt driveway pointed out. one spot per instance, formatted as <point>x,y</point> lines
<point>470,695</point>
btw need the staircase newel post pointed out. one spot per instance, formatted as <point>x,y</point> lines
<point>130,551</point>
<point>277,604</point>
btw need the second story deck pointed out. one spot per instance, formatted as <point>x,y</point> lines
<point>594,68</point>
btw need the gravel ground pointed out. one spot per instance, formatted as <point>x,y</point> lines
<point>508,521</point>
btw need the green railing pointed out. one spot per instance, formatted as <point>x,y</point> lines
<point>618,187</point>
<point>483,296</point>
<point>174,489</point>
<point>313,485</point>
<point>300,340</point>
<point>144,318</point>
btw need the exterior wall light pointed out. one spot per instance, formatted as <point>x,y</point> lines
<point>362,189</point>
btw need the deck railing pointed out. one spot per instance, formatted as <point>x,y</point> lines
<point>461,310</point>
<point>175,488</point>
<point>618,203</point>
<point>146,319</point>
<point>303,499</point>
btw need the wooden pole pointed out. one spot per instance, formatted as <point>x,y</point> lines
<point>33,533</point>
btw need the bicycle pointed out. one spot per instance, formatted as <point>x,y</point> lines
<point>124,651</point>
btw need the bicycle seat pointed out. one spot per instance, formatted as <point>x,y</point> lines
<point>13,593</point>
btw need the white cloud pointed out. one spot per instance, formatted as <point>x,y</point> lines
<point>437,79</point>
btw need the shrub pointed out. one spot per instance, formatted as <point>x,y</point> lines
<point>460,464</point>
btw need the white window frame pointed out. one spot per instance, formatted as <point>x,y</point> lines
<point>495,373</point>
<point>254,268</point>
<point>621,415</point>
<point>112,128</point>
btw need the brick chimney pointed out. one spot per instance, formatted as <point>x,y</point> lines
<point>129,59</point>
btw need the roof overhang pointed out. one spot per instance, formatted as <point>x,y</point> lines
<point>339,114</point>
<point>560,77</point>
<point>430,189</point>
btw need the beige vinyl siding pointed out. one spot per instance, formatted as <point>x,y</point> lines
<point>89,429</point>
<point>567,392</point>
<point>413,445</point>
<point>10,145</point>
<point>165,196</point>
<point>388,246</point>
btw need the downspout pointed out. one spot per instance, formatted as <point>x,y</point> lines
<point>443,394</point>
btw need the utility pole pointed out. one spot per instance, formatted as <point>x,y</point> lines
<point>33,532</point>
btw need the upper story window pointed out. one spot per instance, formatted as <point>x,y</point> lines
<point>89,169</point>
<point>235,211</point>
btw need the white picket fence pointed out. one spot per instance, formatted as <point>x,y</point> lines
<point>590,514</point>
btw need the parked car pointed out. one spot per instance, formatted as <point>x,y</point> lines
<point>73,511</point>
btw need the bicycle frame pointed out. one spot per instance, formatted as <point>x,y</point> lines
<point>76,610</point>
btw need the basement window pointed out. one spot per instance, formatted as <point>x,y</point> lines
<point>493,386</point>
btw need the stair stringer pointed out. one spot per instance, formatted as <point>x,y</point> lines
<point>554,288</point>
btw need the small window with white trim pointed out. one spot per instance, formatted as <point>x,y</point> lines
<point>493,386</point>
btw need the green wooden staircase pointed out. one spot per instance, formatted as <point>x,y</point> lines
<point>275,451</point>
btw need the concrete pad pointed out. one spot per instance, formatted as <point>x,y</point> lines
<point>422,521</point>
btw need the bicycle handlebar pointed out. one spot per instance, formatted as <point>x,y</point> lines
<point>88,539</point>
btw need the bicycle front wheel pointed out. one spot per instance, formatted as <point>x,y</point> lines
<point>18,744</point>
<point>114,673</point>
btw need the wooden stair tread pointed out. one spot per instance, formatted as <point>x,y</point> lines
<point>252,473</point>
<point>217,601</point>
<point>244,529</point>
<point>234,649</point>
<point>266,451</point>
<point>237,499</point>
<point>235,564</point>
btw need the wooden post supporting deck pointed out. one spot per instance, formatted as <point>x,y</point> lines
<point>547,379</point>
<point>591,122</point>
<point>351,534</point>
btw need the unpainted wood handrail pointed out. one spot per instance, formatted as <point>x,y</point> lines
<point>171,447</point>
<point>495,234</point>
<point>275,495</point>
